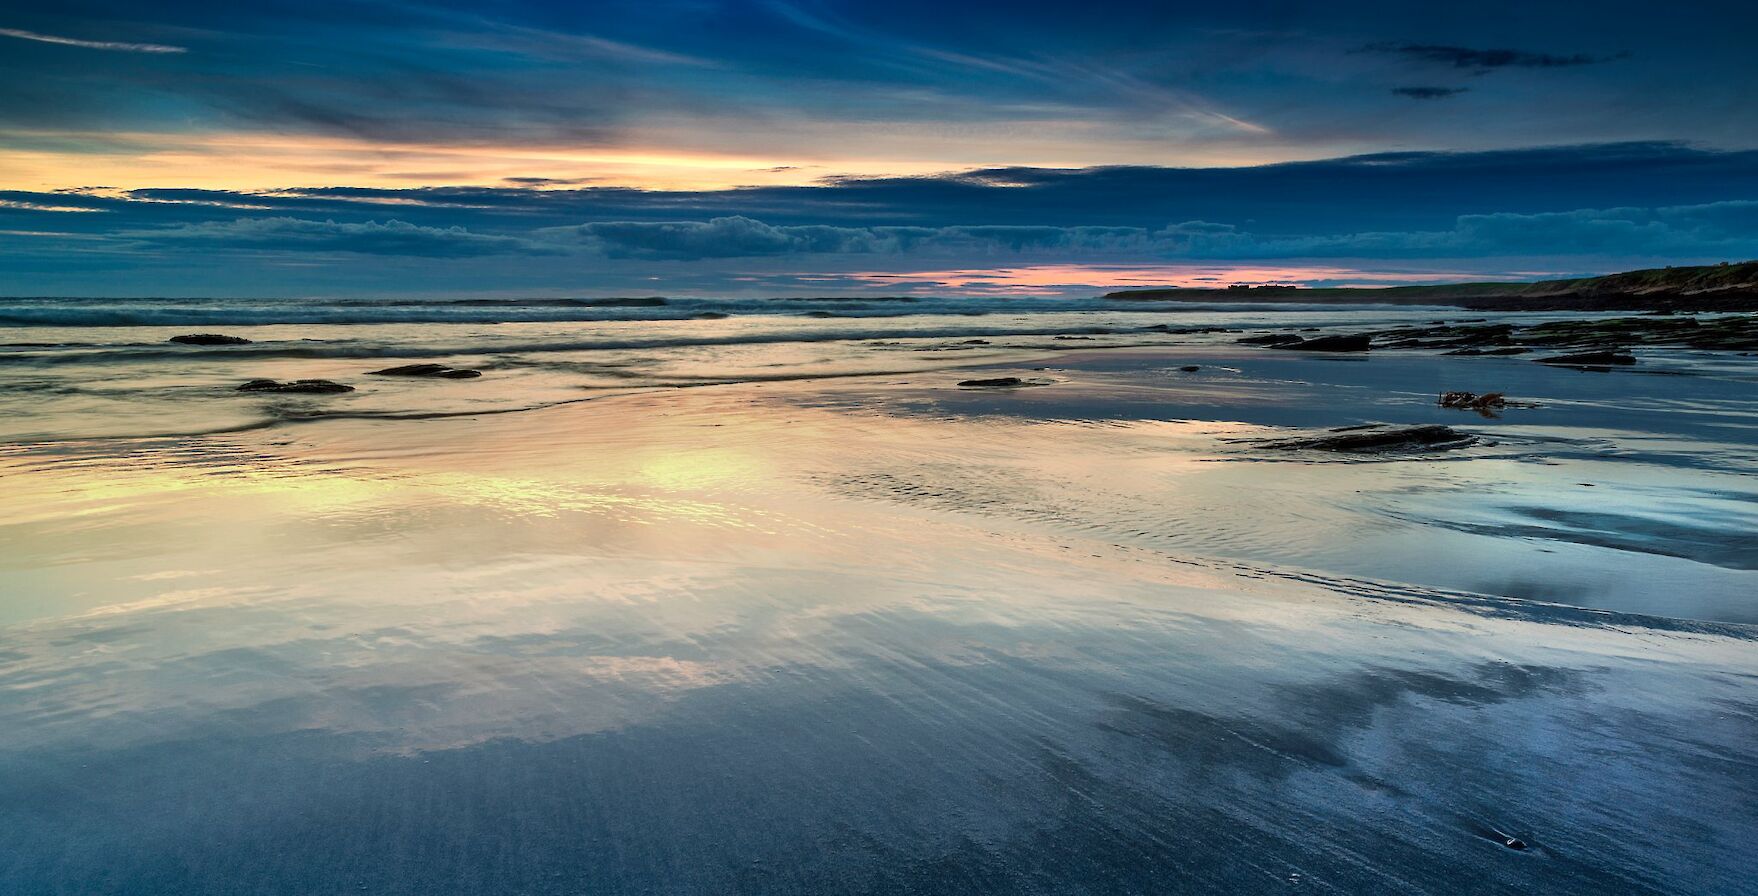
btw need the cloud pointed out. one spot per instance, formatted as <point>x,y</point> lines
<point>547,181</point>
<point>1710,229</point>
<point>729,237</point>
<point>1429,93</point>
<point>1717,229</point>
<point>1484,60</point>
<point>391,237</point>
<point>742,237</point>
<point>91,44</point>
<point>44,206</point>
<point>1386,205</point>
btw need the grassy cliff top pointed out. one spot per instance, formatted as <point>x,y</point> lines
<point>1731,287</point>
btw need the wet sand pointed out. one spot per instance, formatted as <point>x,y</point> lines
<point>802,615</point>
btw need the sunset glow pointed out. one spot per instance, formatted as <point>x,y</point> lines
<point>1036,278</point>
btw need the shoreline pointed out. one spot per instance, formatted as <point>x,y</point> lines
<point>1150,604</point>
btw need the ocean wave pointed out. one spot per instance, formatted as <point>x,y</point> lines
<point>34,312</point>
<point>319,348</point>
<point>224,312</point>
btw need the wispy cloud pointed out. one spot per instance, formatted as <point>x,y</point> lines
<point>122,46</point>
<point>1720,228</point>
<point>1429,93</point>
<point>45,207</point>
<point>393,237</point>
<point>1484,60</point>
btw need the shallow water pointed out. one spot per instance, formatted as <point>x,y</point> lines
<point>757,605</point>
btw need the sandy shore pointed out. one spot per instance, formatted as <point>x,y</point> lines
<point>806,616</point>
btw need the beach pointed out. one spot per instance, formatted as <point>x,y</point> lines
<point>715,597</point>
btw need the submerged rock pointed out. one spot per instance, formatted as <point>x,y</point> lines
<point>1471,401</point>
<point>433,371</point>
<point>1446,336</point>
<point>1590,359</point>
<point>711,315</point>
<point>208,339</point>
<point>1000,382</point>
<point>1489,404</point>
<point>1350,343</point>
<point>1507,350</point>
<point>1168,328</point>
<point>1378,439</point>
<point>1269,339</point>
<point>300,387</point>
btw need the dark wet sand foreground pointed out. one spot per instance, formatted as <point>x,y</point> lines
<point>883,634</point>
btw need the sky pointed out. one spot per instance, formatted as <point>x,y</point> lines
<point>827,147</point>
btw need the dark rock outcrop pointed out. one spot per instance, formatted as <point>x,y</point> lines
<point>1509,350</point>
<point>1590,359</point>
<point>1487,404</point>
<point>1377,439</point>
<point>1183,331</point>
<point>209,339</point>
<point>1000,382</point>
<point>1348,343</point>
<point>429,371</point>
<point>297,387</point>
<point>1271,339</point>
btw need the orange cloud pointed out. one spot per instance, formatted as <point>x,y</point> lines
<point>258,162</point>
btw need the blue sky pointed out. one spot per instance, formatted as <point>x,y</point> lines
<point>200,148</point>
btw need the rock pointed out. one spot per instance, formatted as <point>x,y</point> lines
<point>209,339</point>
<point>1486,404</point>
<point>711,315</point>
<point>1513,843</point>
<point>1471,401</point>
<point>1190,368</point>
<point>1590,359</point>
<point>1168,328</point>
<point>1352,343</point>
<point>1269,339</point>
<point>432,371</point>
<point>1510,350</point>
<point>1377,439</point>
<point>1446,336</point>
<point>1000,382</point>
<point>299,387</point>
<point>1735,332</point>
<point>975,342</point>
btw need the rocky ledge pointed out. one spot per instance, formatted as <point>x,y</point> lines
<point>208,339</point>
<point>297,387</point>
<point>430,371</point>
<point>1376,438</point>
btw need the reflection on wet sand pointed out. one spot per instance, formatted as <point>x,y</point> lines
<point>883,635</point>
